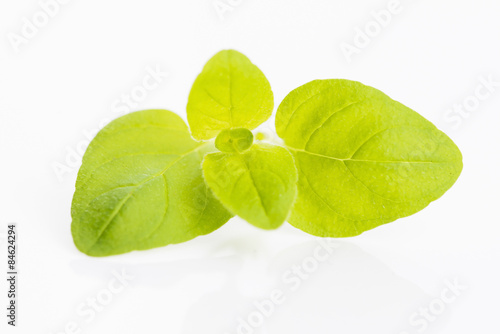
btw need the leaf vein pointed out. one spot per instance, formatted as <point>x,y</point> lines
<point>138,186</point>
<point>326,120</point>
<point>255,186</point>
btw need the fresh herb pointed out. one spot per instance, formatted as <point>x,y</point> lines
<point>352,159</point>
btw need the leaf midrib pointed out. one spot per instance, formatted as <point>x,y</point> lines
<point>255,187</point>
<point>138,186</point>
<point>361,160</point>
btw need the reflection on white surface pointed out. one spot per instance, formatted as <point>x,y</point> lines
<point>241,286</point>
<point>319,285</point>
<point>350,291</point>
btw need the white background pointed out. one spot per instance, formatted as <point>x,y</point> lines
<point>64,81</point>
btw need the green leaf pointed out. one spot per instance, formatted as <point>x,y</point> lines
<point>141,186</point>
<point>234,140</point>
<point>363,158</point>
<point>230,92</point>
<point>258,185</point>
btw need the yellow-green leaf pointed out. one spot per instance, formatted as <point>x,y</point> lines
<point>234,140</point>
<point>141,186</point>
<point>363,159</point>
<point>230,92</point>
<point>258,185</point>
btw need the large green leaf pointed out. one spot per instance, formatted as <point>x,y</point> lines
<point>363,158</point>
<point>141,186</point>
<point>258,185</point>
<point>230,92</point>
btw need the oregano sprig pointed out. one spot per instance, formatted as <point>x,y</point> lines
<point>352,159</point>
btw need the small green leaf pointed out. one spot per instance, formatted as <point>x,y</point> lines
<point>230,92</point>
<point>363,158</point>
<point>234,140</point>
<point>141,186</point>
<point>258,185</point>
